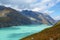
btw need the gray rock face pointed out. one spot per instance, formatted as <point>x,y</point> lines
<point>10,17</point>
<point>40,18</point>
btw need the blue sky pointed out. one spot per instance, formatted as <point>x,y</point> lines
<point>51,7</point>
<point>56,13</point>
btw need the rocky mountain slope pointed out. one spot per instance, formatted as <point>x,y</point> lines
<point>52,33</point>
<point>11,17</point>
<point>38,17</point>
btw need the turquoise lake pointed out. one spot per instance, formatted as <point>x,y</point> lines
<point>19,32</point>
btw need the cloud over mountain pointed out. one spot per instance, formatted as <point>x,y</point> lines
<point>35,5</point>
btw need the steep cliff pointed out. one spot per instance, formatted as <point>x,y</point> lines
<point>10,17</point>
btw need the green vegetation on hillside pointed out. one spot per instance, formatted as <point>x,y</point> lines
<point>52,33</point>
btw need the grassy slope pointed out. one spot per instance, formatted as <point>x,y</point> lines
<point>52,33</point>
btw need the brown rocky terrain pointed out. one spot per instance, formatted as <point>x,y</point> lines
<point>52,33</point>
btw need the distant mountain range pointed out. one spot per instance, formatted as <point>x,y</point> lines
<point>11,17</point>
<point>52,33</point>
<point>38,17</point>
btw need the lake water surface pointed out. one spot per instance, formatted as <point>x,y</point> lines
<point>18,32</point>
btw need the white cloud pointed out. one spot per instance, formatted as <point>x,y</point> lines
<point>7,5</point>
<point>22,1</point>
<point>49,11</point>
<point>41,5</point>
<point>37,9</point>
<point>13,7</point>
<point>57,18</point>
<point>35,5</point>
<point>45,4</point>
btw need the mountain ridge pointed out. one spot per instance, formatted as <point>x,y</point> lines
<point>12,17</point>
